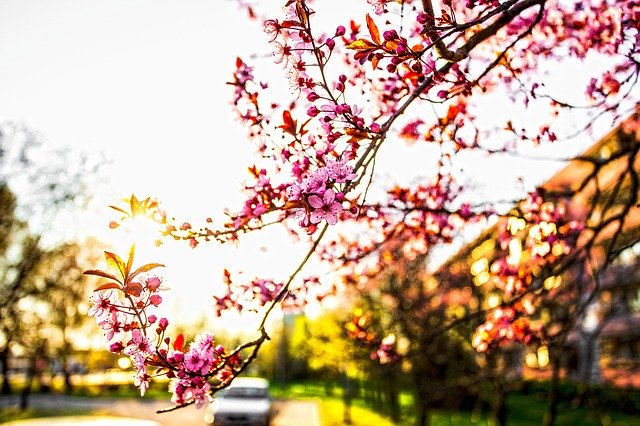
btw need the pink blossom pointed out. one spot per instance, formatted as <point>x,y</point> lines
<point>199,359</point>
<point>112,326</point>
<point>281,52</point>
<point>340,171</point>
<point>139,344</point>
<point>294,192</point>
<point>325,208</point>
<point>153,283</point>
<point>142,378</point>
<point>272,28</point>
<point>316,182</point>
<point>186,389</point>
<point>155,300</point>
<point>378,5</point>
<point>103,304</point>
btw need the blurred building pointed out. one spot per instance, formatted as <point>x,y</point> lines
<point>590,304</point>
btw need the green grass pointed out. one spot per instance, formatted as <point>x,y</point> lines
<point>8,414</point>
<point>529,410</point>
<point>522,410</point>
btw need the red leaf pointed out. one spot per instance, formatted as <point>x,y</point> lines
<point>107,286</point>
<point>100,274</point>
<point>179,342</point>
<point>373,30</point>
<point>290,24</point>
<point>133,289</point>
<point>289,124</point>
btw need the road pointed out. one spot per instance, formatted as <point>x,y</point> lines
<point>286,412</point>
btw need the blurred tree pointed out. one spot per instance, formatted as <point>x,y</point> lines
<point>39,272</point>
<point>19,255</point>
<point>407,306</point>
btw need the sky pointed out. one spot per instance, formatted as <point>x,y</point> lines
<point>143,83</point>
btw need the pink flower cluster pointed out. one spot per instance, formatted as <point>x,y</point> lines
<point>127,325</point>
<point>125,322</point>
<point>504,327</point>
<point>316,199</point>
<point>191,369</point>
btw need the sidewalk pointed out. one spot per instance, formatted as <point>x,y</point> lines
<point>83,421</point>
<point>142,412</point>
<point>112,409</point>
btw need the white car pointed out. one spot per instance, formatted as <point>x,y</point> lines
<point>245,402</point>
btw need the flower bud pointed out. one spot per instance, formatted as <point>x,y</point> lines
<point>331,43</point>
<point>116,347</point>
<point>163,323</point>
<point>313,111</point>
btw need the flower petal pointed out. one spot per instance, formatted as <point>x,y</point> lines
<point>335,207</point>
<point>317,216</point>
<point>315,201</point>
<point>328,197</point>
<point>331,218</point>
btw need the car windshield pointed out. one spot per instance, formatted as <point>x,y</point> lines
<point>240,392</point>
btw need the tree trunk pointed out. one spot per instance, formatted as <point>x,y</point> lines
<point>424,416</point>
<point>5,387</point>
<point>394,402</point>
<point>499,403</point>
<point>68,386</point>
<point>550,417</point>
<point>26,391</point>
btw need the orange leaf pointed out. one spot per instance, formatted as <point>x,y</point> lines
<point>134,204</point>
<point>373,30</point>
<point>115,262</point>
<point>107,286</point>
<point>179,342</point>
<point>144,268</point>
<point>120,210</point>
<point>302,14</point>
<point>390,46</point>
<point>374,62</point>
<point>361,44</point>
<point>129,261</point>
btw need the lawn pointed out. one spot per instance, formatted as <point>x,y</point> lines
<point>523,410</point>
